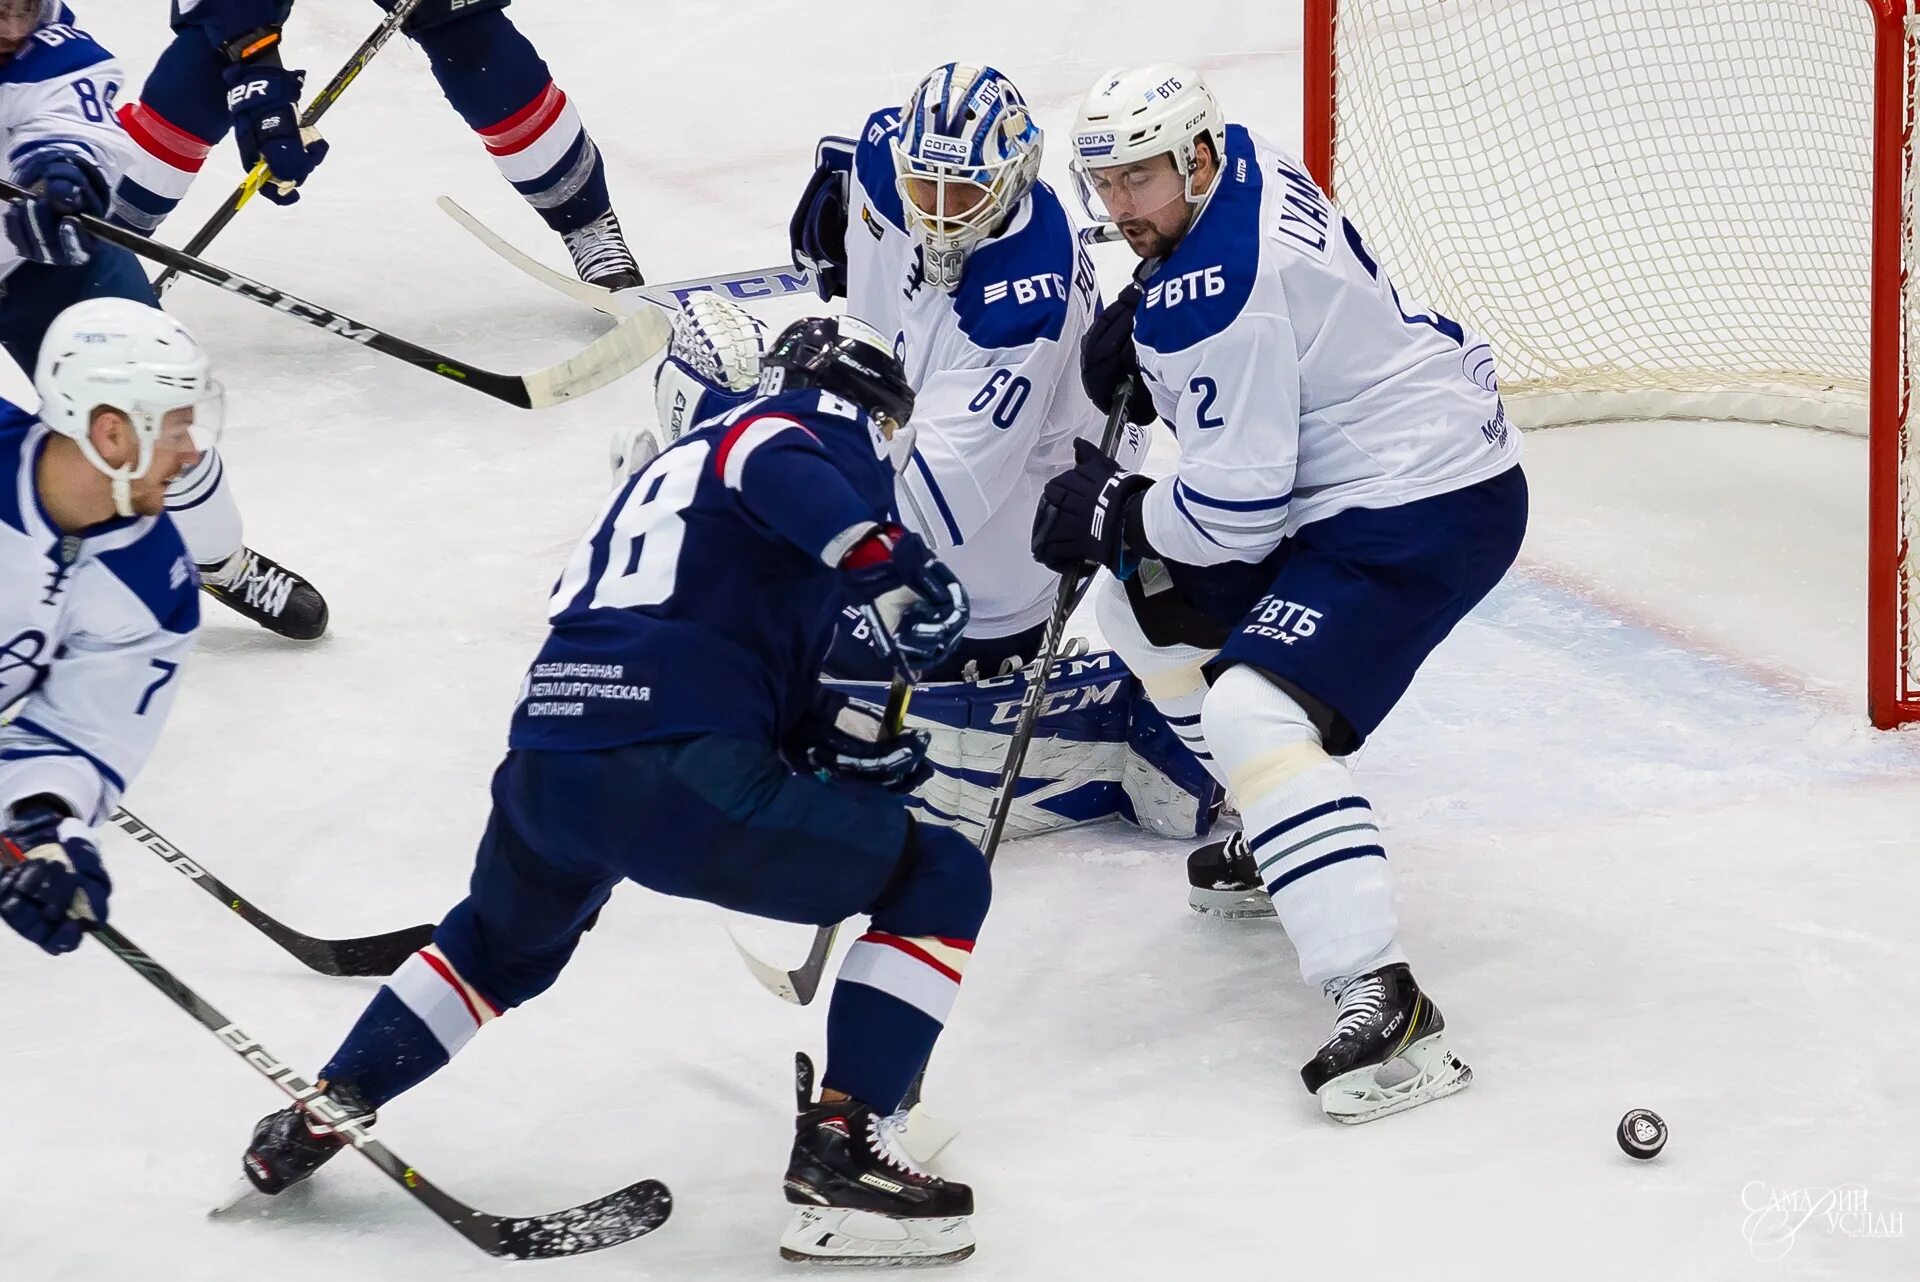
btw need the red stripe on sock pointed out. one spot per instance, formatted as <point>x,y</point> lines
<point>914,951</point>
<point>524,127</point>
<point>162,139</point>
<point>445,972</point>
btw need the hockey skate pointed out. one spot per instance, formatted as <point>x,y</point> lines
<point>268,593</point>
<point>290,1145</point>
<point>600,254</point>
<point>861,1199</point>
<point>1387,1052</point>
<point>1224,881</point>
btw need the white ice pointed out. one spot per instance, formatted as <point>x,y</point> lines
<point>1649,852</point>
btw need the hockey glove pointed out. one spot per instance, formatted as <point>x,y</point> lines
<point>1108,360</point>
<point>266,126</point>
<point>843,739</point>
<point>60,880</point>
<point>1084,514</point>
<point>818,230</point>
<point>42,225</point>
<point>922,609</point>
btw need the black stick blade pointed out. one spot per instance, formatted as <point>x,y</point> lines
<point>634,1211</point>
<point>377,955</point>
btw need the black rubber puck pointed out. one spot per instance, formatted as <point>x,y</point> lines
<point>1641,1134</point>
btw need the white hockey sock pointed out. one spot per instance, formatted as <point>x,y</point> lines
<point>201,504</point>
<point>1170,675</point>
<point>1312,835</point>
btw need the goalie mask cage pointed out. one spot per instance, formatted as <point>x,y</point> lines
<point>1656,209</point>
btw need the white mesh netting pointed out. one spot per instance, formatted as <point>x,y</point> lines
<point>1625,196</point>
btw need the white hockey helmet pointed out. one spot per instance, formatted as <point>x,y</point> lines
<point>1133,114</point>
<point>127,356</point>
<point>968,153</point>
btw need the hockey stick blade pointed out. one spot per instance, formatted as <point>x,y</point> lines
<point>623,349</point>
<point>621,1216</point>
<point>742,286</point>
<point>366,956</point>
<point>800,984</point>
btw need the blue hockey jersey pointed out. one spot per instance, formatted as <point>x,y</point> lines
<point>704,596</point>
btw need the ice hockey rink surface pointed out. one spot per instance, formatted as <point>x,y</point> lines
<point>1649,853</point>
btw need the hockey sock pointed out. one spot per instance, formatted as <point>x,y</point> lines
<point>1313,836</point>
<point>499,84</point>
<point>417,1022</point>
<point>180,114</point>
<point>201,504</point>
<point>899,980</point>
<point>1170,675</point>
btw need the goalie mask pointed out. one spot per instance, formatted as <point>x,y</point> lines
<point>967,155</point>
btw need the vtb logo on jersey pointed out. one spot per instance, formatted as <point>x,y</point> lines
<point>1027,289</point>
<point>1208,282</point>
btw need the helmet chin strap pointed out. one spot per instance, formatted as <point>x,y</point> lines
<point>122,478</point>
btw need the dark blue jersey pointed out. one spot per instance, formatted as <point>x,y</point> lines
<point>706,593</point>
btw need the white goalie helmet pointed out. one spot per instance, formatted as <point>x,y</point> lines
<point>968,153</point>
<point>1133,114</point>
<point>126,356</point>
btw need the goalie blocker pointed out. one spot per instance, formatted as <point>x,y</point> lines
<point>1099,749</point>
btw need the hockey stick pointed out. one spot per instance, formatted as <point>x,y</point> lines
<point>608,1221</point>
<point>368,955</point>
<point>800,984</point>
<point>621,350</point>
<point>743,286</point>
<point>257,176</point>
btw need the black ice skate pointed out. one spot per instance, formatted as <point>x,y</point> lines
<point>861,1199</point>
<point>1387,1052</point>
<point>600,254</point>
<point>268,593</point>
<point>1225,881</point>
<point>292,1144</point>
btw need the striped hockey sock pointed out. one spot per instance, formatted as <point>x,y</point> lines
<point>415,1024</point>
<point>890,1002</point>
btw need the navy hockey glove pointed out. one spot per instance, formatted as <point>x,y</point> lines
<point>42,225</point>
<point>1108,360</point>
<point>922,607</point>
<point>266,126</point>
<point>61,872</point>
<point>818,230</point>
<point>1085,514</point>
<point>844,740</point>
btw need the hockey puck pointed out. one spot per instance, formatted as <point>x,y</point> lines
<point>1641,1134</point>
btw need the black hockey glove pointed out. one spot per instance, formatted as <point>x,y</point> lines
<point>841,739</point>
<point>921,607</point>
<point>48,861</point>
<point>817,232</point>
<point>1108,360</point>
<point>42,225</point>
<point>261,98</point>
<point>1084,516</point>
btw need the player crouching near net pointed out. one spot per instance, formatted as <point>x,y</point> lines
<point>1348,488</point>
<point>672,731</point>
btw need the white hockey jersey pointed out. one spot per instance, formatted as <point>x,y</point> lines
<point>93,631</point>
<point>995,366</point>
<point>1299,382</point>
<point>59,92</point>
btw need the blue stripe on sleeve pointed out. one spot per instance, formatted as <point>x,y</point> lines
<point>1233,505</point>
<point>939,499</point>
<point>107,772</point>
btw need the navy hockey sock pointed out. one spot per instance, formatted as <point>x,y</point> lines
<point>417,1022</point>
<point>499,84</point>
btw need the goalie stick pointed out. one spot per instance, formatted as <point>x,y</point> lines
<point>741,286</point>
<point>621,350</point>
<point>257,176</point>
<point>620,1216</point>
<point>368,955</point>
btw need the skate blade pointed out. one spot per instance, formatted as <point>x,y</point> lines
<point>839,1237</point>
<point>1230,905</point>
<point>244,1199</point>
<point>1360,1096</point>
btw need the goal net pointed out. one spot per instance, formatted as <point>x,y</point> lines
<point>1653,209</point>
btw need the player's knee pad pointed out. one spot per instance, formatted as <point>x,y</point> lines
<point>1166,672</point>
<point>438,13</point>
<point>1260,735</point>
<point>942,890</point>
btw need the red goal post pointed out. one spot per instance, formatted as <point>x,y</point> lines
<point>1747,164</point>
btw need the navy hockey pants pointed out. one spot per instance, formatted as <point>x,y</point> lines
<point>34,293</point>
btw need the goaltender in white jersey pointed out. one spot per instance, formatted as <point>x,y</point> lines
<point>99,599</point>
<point>1348,489</point>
